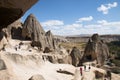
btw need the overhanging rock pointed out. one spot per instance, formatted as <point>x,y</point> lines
<point>11,10</point>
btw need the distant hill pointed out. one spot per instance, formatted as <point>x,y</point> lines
<point>85,37</point>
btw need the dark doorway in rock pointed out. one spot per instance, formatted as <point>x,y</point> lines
<point>16,33</point>
<point>27,38</point>
<point>89,57</point>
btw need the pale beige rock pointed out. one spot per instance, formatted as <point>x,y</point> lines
<point>3,40</point>
<point>2,65</point>
<point>96,49</point>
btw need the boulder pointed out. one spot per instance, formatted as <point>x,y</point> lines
<point>11,10</point>
<point>76,56</point>
<point>37,77</point>
<point>96,49</point>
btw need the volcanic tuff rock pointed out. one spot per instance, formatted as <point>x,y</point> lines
<point>33,30</point>
<point>96,49</point>
<point>3,40</point>
<point>65,56</point>
<point>50,40</point>
<point>2,65</point>
<point>76,56</point>
<point>15,29</point>
<point>11,10</point>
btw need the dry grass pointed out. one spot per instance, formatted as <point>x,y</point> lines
<point>70,45</point>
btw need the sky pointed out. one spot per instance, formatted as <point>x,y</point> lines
<point>75,17</point>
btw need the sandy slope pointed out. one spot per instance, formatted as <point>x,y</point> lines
<point>23,64</point>
<point>23,67</point>
<point>48,71</point>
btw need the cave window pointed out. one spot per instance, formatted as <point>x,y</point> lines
<point>89,57</point>
<point>27,38</point>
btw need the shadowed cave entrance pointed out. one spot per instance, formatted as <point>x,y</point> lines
<point>89,57</point>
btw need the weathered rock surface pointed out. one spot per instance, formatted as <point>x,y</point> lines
<point>14,30</point>
<point>37,77</point>
<point>64,57</point>
<point>3,40</point>
<point>11,10</point>
<point>34,31</point>
<point>47,50</point>
<point>96,49</point>
<point>76,56</point>
<point>98,75</point>
<point>2,65</point>
<point>50,40</point>
<point>65,60</point>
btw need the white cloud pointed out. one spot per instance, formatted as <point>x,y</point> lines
<point>112,5</point>
<point>85,19</point>
<point>112,24</point>
<point>102,21</point>
<point>105,8</point>
<point>73,26</point>
<point>100,27</point>
<point>106,23</point>
<point>51,23</point>
<point>92,26</point>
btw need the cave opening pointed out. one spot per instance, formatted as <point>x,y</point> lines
<point>89,57</point>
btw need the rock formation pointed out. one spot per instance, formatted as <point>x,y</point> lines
<point>32,30</point>
<point>65,59</point>
<point>14,30</point>
<point>2,65</point>
<point>76,56</point>
<point>47,50</point>
<point>3,40</point>
<point>11,10</point>
<point>96,49</point>
<point>50,40</point>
